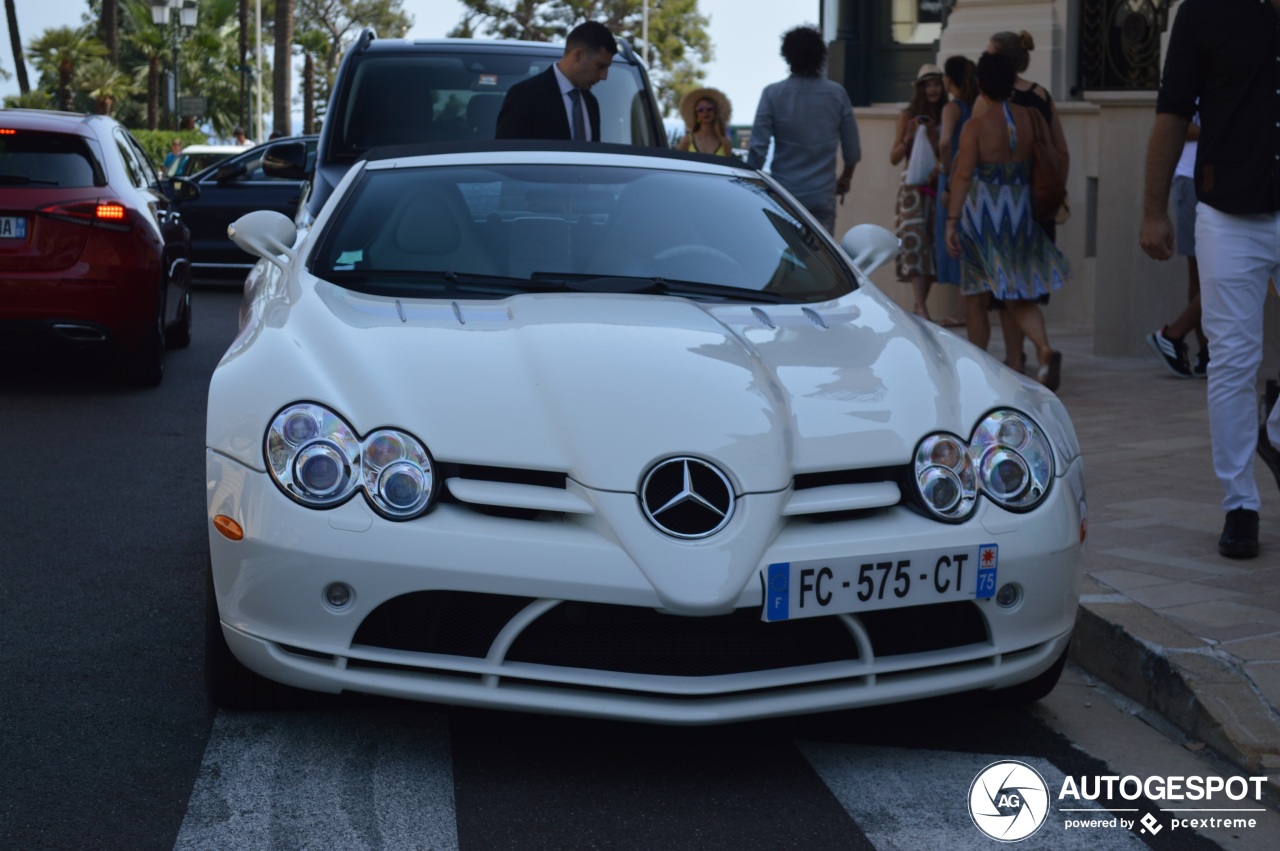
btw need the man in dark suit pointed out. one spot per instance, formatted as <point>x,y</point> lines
<point>551,105</point>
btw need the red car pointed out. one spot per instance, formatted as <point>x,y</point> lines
<point>91,254</point>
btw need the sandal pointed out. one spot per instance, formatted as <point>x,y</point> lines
<point>1050,374</point>
<point>951,322</point>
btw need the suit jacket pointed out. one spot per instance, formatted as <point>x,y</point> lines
<point>534,109</point>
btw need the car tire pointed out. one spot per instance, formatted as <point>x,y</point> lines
<point>144,366</point>
<point>178,336</point>
<point>1035,688</point>
<point>228,683</point>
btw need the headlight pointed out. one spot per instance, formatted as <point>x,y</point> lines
<point>945,477</point>
<point>1007,459</point>
<point>397,473</point>
<point>1015,463</point>
<point>318,460</point>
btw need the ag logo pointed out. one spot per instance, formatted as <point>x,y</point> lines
<point>1008,800</point>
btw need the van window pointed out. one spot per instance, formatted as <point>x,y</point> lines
<point>396,99</point>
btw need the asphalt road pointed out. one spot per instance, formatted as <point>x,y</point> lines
<point>106,740</point>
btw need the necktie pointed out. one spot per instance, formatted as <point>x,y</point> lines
<point>579,126</point>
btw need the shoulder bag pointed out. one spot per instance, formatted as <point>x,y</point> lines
<point>1048,184</point>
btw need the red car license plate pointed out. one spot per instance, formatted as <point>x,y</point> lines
<point>13,227</point>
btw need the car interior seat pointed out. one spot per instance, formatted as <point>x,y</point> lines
<point>482,115</point>
<point>433,230</point>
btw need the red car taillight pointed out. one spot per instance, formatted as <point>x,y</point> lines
<point>104,213</point>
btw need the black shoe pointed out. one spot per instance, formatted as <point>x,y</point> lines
<point>1173,353</point>
<point>1201,369</point>
<point>1240,534</point>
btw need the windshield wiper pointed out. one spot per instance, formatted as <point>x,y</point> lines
<point>22,180</point>
<point>643,284</point>
<point>415,281</point>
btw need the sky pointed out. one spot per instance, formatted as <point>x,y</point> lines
<point>746,35</point>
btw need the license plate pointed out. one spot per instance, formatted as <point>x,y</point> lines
<point>13,227</point>
<point>810,589</point>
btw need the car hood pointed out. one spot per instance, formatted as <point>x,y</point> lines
<point>601,386</point>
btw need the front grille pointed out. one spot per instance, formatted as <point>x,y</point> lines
<point>635,640</point>
<point>643,641</point>
<point>454,623</point>
<point>919,629</point>
<point>805,481</point>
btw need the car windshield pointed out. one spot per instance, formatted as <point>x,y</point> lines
<point>496,230</point>
<point>400,99</point>
<point>36,158</point>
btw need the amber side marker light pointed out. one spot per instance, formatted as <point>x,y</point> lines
<point>8,131</point>
<point>229,528</point>
<point>110,212</point>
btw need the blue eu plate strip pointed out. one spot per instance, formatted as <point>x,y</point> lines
<point>778,600</point>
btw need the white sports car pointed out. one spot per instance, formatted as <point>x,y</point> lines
<point>606,432</point>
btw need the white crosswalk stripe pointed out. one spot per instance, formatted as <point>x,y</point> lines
<point>331,782</point>
<point>317,781</point>
<point>912,799</point>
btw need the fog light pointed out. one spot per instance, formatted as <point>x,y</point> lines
<point>338,595</point>
<point>1008,596</point>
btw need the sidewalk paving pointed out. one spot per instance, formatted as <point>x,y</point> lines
<point>1164,619</point>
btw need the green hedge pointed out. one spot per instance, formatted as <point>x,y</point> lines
<point>156,142</point>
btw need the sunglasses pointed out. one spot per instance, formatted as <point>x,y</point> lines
<point>704,109</point>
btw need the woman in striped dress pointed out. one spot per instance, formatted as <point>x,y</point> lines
<point>1003,253</point>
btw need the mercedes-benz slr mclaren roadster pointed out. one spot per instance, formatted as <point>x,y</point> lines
<point>615,433</point>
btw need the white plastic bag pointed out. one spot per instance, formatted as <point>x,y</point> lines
<point>922,163</point>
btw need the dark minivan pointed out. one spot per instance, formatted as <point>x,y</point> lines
<point>401,91</point>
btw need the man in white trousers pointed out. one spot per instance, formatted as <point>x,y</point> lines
<point>1226,53</point>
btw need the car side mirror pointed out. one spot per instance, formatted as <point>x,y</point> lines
<point>870,247</point>
<point>185,190</point>
<point>286,160</point>
<point>266,234</point>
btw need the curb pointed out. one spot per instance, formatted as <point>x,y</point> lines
<point>1190,683</point>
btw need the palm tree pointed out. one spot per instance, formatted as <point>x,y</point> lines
<point>242,63</point>
<point>59,50</point>
<point>110,30</point>
<point>209,56</point>
<point>281,84</point>
<point>35,99</point>
<point>145,42</point>
<point>105,83</point>
<point>15,42</point>
<point>313,43</point>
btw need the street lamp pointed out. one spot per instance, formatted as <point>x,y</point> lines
<point>184,20</point>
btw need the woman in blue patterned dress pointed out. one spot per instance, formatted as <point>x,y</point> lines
<point>1002,251</point>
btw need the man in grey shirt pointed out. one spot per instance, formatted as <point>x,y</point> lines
<point>806,116</point>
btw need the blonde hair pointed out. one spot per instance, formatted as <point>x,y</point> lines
<point>1017,46</point>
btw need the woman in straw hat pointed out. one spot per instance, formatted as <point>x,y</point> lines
<point>706,114</point>
<point>916,203</point>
